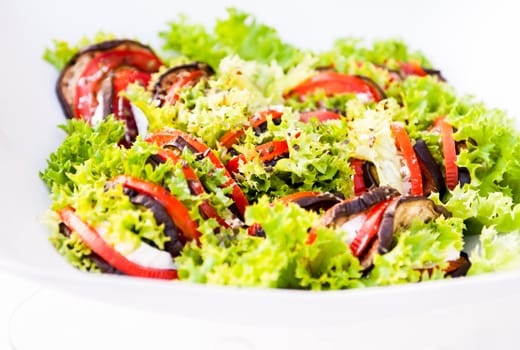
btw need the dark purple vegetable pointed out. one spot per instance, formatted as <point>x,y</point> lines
<point>343,211</point>
<point>430,170</point>
<point>464,176</point>
<point>178,144</point>
<point>459,267</point>
<point>313,201</point>
<point>176,243</point>
<point>434,72</point>
<point>370,177</point>
<point>400,215</point>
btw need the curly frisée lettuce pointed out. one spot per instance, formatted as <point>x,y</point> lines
<point>238,34</point>
<point>282,260</point>
<point>248,93</point>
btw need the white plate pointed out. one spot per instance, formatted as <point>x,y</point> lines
<point>473,43</point>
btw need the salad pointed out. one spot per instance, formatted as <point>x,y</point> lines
<point>232,157</point>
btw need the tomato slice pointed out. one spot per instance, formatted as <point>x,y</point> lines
<point>322,116</point>
<point>174,207</point>
<point>405,146</point>
<point>266,152</point>
<point>449,152</point>
<point>231,137</point>
<point>333,83</point>
<point>358,179</point>
<point>99,246</point>
<point>167,135</point>
<point>88,83</point>
<point>369,228</point>
<point>195,185</point>
<point>191,78</point>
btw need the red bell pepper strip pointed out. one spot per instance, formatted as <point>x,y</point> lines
<point>405,146</point>
<point>333,83</point>
<point>449,152</point>
<point>167,135</point>
<point>359,181</point>
<point>369,228</point>
<point>99,246</point>
<point>266,152</point>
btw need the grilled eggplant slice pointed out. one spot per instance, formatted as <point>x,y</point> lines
<point>430,169</point>
<point>343,211</point>
<point>177,77</point>
<point>71,74</point>
<point>400,215</point>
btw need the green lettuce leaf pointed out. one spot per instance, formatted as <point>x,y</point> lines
<point>280,260</point>
<point>495,252</point>
<point>422,246</point>
<point>371,139</point>
<point>238,34</point>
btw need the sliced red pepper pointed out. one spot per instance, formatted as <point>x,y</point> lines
<point>167,135</point>
<point>405,146</point>
<point>195,185</point>
<point>99,246</point>
<point>190,79</point>
<point>333,83</point>
<point>266,152</point>
<point>177,211</point>
<point>369,228</point>
<point>88,84</point>
<point>449,152</point>
<point>322,116</point>
<point>358,179</point>
<point>231,137</point>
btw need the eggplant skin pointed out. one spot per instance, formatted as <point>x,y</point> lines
<point>69,76</point>
<point>459,267</point>
<point>401,214</point>
<point>434,72</point>
<point>176,243</point>
<point>433,180</point>
<point>464,176</point>
<point>166,80</point>
<point>342,211</point>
